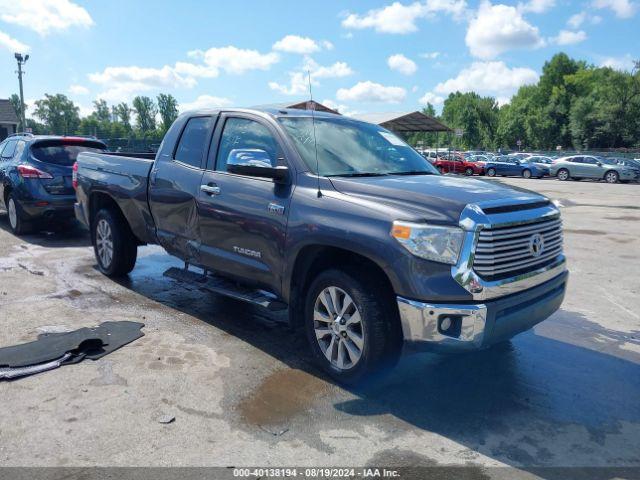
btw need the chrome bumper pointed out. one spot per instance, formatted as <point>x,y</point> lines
<point>422,322</point>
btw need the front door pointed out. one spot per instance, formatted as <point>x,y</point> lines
<point>243,220</point>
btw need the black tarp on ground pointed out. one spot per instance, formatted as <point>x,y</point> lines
<point>52,348</point>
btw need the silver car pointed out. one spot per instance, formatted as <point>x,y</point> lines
<point>588,166</point>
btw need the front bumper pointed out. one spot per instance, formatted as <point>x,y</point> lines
<point>479,325</point>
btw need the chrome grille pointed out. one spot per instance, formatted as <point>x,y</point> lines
<point>507,251</point>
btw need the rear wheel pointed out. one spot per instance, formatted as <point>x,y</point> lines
<point>351,325</point>
<point>491,172</point>
<point>468,171</point>
<point>611,177</point>
<point>563,174</point>
<point>16,216</point>
<point>526,173</point>
<point>441,170</point>
<point>114,245</point>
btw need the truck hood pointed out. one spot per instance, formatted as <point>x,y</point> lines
<point>439,198</point>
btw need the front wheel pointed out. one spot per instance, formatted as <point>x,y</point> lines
<point>491,172</point>
<point>114,245</point>
<point>352,325</point>
<point>468,171</point>
<point>526,173</point>
<point>563,174</point>
<point>611,177</point>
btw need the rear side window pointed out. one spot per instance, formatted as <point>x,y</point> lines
<point>192,142</point>
<point>62,154</point>
<point>9,149</point>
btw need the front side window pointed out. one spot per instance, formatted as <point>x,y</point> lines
<point>350,148</point>
<point>192,142</point>
<point>242,133</point>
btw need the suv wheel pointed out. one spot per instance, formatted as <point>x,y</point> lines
<point>611,177</point>
<point>563,174</point>
<point>16,216</point>
<point>351,325</point>
<point>491,172</point>
<point>468,171</point>
<point>114,245</point>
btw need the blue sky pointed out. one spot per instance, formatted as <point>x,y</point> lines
<point>363,56</point>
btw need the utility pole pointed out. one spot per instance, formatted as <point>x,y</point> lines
<point>21,61</point>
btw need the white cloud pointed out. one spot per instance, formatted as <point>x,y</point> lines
<point>622,8</point>
<point>619,63</point>
<point>402,64</point>
<point>296,44</point>
<point>44,16</point>
<point>498,28</point>
<point>371,92</point>
<point>299,80</point>
<point>568,37</point>
<point>12,44</point>
<point>575,21</point>
<point>430,55</point>
<point>339,107</point>
<point>488,78</point>
<point>399,18</point>
<point>537,6</point>
<point>78,90</point>
<point>205,101</point>
<point>431,98</point>
<point>237,61</point>
<point>327,45</point>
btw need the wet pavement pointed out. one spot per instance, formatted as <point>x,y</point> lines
<point>244,391</point>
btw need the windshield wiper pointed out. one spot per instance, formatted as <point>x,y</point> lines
<point>413,172</point>
<point>359,174</point>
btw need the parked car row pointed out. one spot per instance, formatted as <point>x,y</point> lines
<point>528,165</point>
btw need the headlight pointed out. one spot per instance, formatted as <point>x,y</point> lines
<point>432,242</point>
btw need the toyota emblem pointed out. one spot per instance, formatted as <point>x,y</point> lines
<point>536,245</point>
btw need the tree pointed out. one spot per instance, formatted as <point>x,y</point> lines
<point>122,113</point>
<point>168,108</point>
<point>17,107</point>
<point>477,116</point>
<point>146,114</point>
<point>101,111</point>
<point>58,113</point>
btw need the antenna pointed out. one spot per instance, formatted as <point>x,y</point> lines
<point>315,141</point>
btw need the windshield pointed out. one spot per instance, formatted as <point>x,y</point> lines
<point>59,154</point>
<point>607,161</point>
<point>348,148</point>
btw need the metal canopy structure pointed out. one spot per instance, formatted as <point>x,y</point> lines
<point>404,121</point>
<point>303,105</point>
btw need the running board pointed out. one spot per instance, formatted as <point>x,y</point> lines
<point>225,287</point>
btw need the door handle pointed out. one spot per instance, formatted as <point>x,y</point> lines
<point>210,189</point>
<point>153,176</point>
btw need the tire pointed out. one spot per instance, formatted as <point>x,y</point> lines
<point>526,173</point>
<point>563,175</point>
<point>441,170</point>
<point>378,333</point>
<point>15,216</point>
<point>491,172</point>
<point>114,245</point>
<point>468,171</point>
<point>611,176</point>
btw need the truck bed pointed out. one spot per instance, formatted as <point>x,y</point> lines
<point>125,178</point>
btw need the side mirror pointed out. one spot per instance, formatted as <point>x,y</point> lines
<point>599,164</point>
<point>255,162</point>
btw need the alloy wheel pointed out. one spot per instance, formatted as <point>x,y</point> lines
<point>338,328</point>
<point>612,177</point>
<point>104,242</point>
<point>13,214</point>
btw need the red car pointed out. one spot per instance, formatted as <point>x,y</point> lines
<point>456,163</point>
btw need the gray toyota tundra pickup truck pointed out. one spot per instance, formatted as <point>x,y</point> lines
<point>339,221</point>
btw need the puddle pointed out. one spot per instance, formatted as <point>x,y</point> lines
<point>281,396</point>
<point>624,218</point>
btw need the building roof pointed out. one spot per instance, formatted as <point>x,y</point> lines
<point>404,121</point>
<point>298,105</point>
<point>7,113</point>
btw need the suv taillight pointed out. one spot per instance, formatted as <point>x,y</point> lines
<point>74,176</point>
<point>27,171</point>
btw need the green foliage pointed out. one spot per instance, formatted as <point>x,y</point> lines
<point>477,116</point>
<point>17,107</point>
<point>146,112</point>
<point>168,109</point>
<point>58,114</point>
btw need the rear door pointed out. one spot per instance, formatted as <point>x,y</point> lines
<point>591,167</point>
<point>243,220</point>
<point>174,186</point>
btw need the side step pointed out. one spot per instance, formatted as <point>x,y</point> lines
<point>225,287</point>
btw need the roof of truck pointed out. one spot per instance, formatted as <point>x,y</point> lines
<point>270,110</point>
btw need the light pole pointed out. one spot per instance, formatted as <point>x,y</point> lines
<point>21,61</point>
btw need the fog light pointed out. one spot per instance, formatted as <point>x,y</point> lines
<point>445,324</point>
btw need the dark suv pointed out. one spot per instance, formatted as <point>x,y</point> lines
<point>36,178</point>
